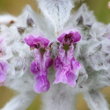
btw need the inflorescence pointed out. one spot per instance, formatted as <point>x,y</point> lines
<point>64,62</point>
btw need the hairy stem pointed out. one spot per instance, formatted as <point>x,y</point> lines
<point>96,100</point>
<point>58,98</point>
<point>20,102</point>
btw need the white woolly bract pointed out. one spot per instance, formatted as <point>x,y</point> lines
<point>95,99</point>
<point>7,19</point>
<point>58,11</point>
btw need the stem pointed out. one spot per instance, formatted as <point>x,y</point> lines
<point>58,98</point>
<point>20,102</point>
<point>96,100</point>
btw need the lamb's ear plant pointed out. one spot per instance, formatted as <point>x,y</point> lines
<point>57,53</point>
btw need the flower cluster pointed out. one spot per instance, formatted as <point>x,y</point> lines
<point>65,65</point>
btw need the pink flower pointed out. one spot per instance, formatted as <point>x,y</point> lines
<point>35,42</point>
<point>41,63</point>
<point>65,64</point>
<point>69,37</point>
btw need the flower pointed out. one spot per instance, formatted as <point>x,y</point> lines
<point>66,65</point>
<point>3,71</point>
<point>41,63</point>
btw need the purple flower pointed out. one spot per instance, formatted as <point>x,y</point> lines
<point>65,64</point>
<point>69,37</point>
<point>36,42</point>
<point>39,67</point>
<point>3,71</point>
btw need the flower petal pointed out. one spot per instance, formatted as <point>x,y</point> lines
<point>65,73</point>
<point>69,35</point>
<point>42,84</point>
<point>35,41</point>
<point>35,67</point>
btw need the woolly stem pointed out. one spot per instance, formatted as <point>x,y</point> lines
<point>58,98</point>
<point>20,102</point>
<point>96,100</point>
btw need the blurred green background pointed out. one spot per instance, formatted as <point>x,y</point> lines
<point>102,12</point>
